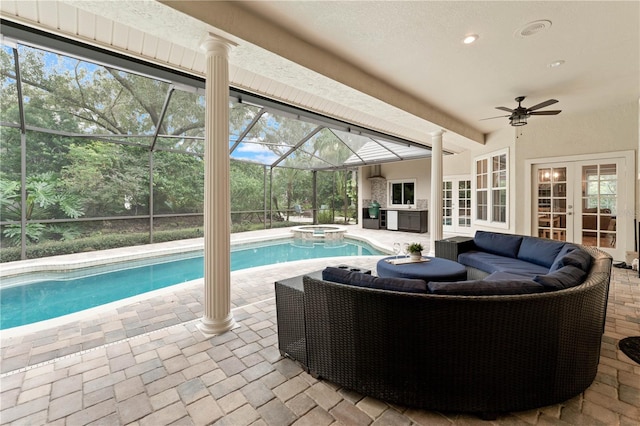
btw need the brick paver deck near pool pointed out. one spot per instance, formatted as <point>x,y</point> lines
<point>146,363</point>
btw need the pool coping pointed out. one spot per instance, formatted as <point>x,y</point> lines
<point>101,257</point>
<point>74,261</point>
<point>89,313</point>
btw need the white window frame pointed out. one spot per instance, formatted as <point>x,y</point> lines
<point>497,181</point>
<point>390,184</point>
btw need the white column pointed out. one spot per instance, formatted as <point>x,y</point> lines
<point>217,205</point>
<point>435,213</point>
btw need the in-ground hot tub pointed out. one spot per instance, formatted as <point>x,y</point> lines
<point>317,232</point>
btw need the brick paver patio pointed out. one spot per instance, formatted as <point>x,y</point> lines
<point>146,363</point>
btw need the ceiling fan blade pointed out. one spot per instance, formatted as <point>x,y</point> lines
<point>551,112</point>
<point>542,104</point>
<point>491,118</point>
<point>504,109</point>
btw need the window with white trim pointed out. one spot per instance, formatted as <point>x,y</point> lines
<point>492,188</point>
<point>402,193</point>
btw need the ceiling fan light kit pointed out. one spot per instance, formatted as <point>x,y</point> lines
<point>518,121</point>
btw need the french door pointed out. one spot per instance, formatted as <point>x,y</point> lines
<point>580,201</point>
<point>456,205</point>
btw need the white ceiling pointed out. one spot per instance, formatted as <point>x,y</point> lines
<point>414,47</point>
<point>417,46</point>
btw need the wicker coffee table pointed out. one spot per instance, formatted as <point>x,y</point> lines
<point>436,269</point>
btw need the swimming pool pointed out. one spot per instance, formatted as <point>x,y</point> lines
<point>37,297</point>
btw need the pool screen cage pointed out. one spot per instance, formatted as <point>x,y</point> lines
<point>100,151</point>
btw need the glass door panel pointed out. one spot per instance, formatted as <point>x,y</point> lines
<point>552,203</point>
<point>447,203</point>
<point>456,205</point>
<point>599,205</point>
<point>464,203</point>
<point>579,201</point>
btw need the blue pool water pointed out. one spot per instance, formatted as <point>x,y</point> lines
<point>64,293</point>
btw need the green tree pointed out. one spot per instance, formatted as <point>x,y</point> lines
<point>178,183</point>
<point>247,189</point>
<point>110,179</point>
<point>46,199</point>
<point>291,186</point>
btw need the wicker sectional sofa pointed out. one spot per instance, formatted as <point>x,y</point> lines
<point>499,264</point>
<point>484,354</point>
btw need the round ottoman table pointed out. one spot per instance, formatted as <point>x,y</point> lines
<point>436,269</point>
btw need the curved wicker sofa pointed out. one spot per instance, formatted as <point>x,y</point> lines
<point>482,354</point>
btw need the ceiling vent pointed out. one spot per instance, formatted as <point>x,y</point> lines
<point>533,28</point>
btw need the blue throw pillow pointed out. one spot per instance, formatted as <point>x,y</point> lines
<point>405,285</point>
<point>565,277</point>
<point>485,287</point>
<point>496,243</point>
<point>539,251</point>
<point>337,275</point>
<point>578,258</point>
<point>568,248</point>
<point>344,276</point>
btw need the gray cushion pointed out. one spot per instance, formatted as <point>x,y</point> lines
<point>344,276</point>
<point>565,277</point>
<point>496,243</point>
<point>539,251</point>
<point>485,287</point>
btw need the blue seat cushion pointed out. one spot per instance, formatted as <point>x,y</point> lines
<point>485,287</point>
<point>539,250</point>
<point>493,263</point>
<point>578,258</point>
<point>496,243</point>
<point>358,279</point>
<point>565,277</point>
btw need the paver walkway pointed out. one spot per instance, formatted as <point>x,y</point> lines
<point>146,363</point>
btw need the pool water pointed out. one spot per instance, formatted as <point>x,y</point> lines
<point>67,293</point>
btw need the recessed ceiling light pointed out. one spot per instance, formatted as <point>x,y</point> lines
<point>556,64</point>
<point>470,38</point>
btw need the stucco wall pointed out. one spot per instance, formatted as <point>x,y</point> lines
<point>611,130</point>
<point>567,135</point>
<point>420,170</point>
<point>462,164</point>
<point>456,164</point>
<point>370,189</point>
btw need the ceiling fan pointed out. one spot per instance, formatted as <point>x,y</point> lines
<point>519,115</point>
